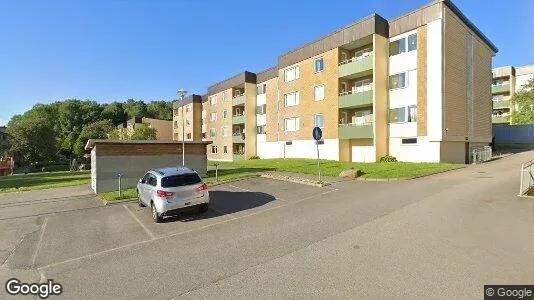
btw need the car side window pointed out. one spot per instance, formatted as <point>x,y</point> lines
<point>152,180</point>
<point>145,178</point>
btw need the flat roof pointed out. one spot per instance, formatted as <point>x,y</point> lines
<point>193,98</point>
<point>92,142</point>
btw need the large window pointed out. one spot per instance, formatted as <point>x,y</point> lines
<point>292,99</point>
<point>403,45</point>
<point>262,89</point>
<point>292,73</point>
<point>261,109</point>
<point>213,100</point>
<point>319,92</point>
<point>292,124</point>
<point>318,120</point>
<point>397,81</point>
<point>319,65</point>
<point>403,114</point>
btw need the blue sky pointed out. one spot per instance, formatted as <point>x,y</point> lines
<point>108,50</point>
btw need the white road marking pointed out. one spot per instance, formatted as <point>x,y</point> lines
<point>236,187</point>
<point>171,235</point>
<point>140,223</point>
<point>39,242</point>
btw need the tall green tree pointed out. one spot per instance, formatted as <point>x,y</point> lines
<point>524,100</point>
<point>114,112</point>
<point>32,140</point>
<point>143,133</point>
<point>96,130</point>
<point>160,110</point>
<point>134,108</point>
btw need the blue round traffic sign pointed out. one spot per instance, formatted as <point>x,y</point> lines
<point>317,133</point>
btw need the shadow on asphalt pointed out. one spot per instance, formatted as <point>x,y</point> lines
<point>224,202</point>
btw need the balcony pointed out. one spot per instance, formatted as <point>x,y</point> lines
<point>353,100</point>
<point>353,131</point>
<point>500,119</point>
<point>501,104</point>
<point>239,156</point>
<point>238,138</point>
<point>238,100</point>
<point>238,119</point>
<point>354,68</point>
<point>497,89</point>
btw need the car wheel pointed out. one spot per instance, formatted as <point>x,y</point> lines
<point>204,208</point>
<point>155,215</point>
<point>139,200</point>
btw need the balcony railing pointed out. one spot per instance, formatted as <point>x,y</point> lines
<point>238,119</point>
<point>355,66</point>
<point>238,138</point>
<point>238,100</point>
<point>501,104</point>
<point>497,89</point>
<point>353,131</point>
<point>500,119</point>
<point>355,99</point>
<point>239,156</point>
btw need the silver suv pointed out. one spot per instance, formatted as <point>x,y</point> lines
<point>170,190</point>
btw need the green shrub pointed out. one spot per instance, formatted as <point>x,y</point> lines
<point>254,157</point>
<point>388,158</point>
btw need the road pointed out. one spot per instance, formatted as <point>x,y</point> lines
<point>441,236</point>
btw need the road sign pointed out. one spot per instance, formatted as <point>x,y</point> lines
<point>317,133</point>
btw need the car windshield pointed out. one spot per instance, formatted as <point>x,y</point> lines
<point>180,180</point>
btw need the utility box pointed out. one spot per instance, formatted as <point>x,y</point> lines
<point>133,158</point>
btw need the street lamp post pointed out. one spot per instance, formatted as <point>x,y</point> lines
<point>181,93</point>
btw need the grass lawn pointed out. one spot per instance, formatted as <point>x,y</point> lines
<point>333,168</point>
<point>223,176</point>
<point>46,180</point>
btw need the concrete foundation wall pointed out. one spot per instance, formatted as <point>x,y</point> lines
<point>133,167</point>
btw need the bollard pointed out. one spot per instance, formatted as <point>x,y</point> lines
<point>120,190</point>
<point>216,172</point>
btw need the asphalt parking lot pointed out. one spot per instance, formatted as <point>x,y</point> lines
<point>279,239</point>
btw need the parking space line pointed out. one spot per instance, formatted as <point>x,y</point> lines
<point>140,223</point>
<point>236,187</point>
<point>173,234</point>
<point>225,214</point>
<point>39,242</point>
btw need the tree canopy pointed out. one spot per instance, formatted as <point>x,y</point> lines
<point>524,100</point>
<point>63,127</point>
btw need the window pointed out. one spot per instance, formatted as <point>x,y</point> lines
<point>187,109</point>
<point>412,42</point>
<point>180,180</point>
<point>224,129</point>
<point>213,149</point>
<point>362,86</point>
<point>260,129</point>
<point>203,135</point>
<point>292,99</point>
<point>403,114</point>
<point>175,124</point>
<point>262,89</point>
<point>213,132</point>
<point>213,116</point>
<point>409,141</point>
<point>319,65</point>
<point>403,45</point>
<point>397,81</point>
<point>292,73</point>
<point>225,114</point>
<point>361,54</point>
<point>224,96</point>
<point>187,122</point>
<point>318,92</point>
<point>318,120</point>
<point>225,149</point>
<point>213,100</point>
<point>175,112</point>
<point>497,98</point>
<point>188,136</point>
<point>292,124</point>
<point>261,109</point>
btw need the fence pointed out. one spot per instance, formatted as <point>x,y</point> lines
<point>513,134</point>
<point>527,177</point>
<point>480,155</point>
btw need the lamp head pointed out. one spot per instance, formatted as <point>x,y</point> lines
<point>181,93</point>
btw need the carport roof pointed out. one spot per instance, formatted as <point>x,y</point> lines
<point>92,142</point>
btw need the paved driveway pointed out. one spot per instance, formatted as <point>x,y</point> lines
<point>440,236</point>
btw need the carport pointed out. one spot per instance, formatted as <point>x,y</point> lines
<point>132,158</point>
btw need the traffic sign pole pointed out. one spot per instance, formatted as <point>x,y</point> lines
<point>318,161</point>
<point>317,134</point>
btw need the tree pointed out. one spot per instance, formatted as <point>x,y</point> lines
<point>134,108</point>
<point>143,132</point>
<point>160,110</point>
<point>114,112</point>
<point>96,130</point>
<point>32,140</point>
<point>524,100</point>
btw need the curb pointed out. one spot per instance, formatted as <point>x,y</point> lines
<point>296,180</point>
<point>440,172</point>
<point>379,179</point>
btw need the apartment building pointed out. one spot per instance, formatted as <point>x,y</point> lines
<point>506,82</point>
<point>164,130</point>
<point>416,87</point>
<point>192,122</point>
